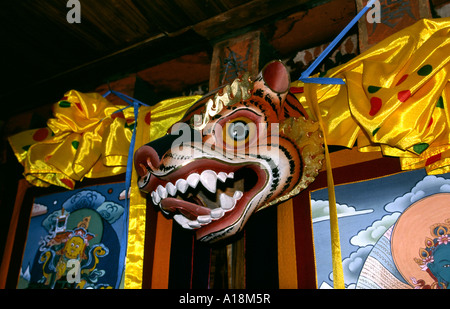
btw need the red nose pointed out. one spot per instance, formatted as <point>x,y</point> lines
<point>149,156</point>
<point>146,158</point>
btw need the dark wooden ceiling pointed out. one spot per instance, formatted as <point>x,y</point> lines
<point>43,55</point>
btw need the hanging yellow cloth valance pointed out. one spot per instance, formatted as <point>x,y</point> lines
<point>395,99</point>
<point>88,137</point>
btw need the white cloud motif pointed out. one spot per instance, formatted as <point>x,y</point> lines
<point>445,188</point>
<point>429,185</point>
<point>372,234</point>
<point>84,199</point>
<point>352,265</point>
<point>320,210</point>
<point>110,211</point>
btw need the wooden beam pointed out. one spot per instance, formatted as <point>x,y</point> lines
<point>309,28</point>
<point>165,46</point>
<point>245,15</point>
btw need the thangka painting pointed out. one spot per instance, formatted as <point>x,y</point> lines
<point>394,232</point>
<point>76,239</point>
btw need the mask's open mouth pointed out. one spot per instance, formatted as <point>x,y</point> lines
<point>207,195</point>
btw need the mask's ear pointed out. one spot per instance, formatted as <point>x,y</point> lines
<point>276,77</point>
<point>272,84</point>
<point>275,80</point>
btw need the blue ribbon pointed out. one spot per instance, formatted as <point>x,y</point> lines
<point>135,104</point>
<point>304,77</point>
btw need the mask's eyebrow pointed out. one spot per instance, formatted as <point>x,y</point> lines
<point>240,89</point>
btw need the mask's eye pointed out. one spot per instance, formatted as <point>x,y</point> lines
<point>238,130</point>
<point>239,133</point>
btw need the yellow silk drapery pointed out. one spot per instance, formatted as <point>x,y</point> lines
<point>395,99</point>
<point>88,137</point>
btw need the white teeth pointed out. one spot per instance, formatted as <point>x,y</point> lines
<point>181,185</point>
<point>209,180</point>
<point>183,221</point>
<point>204,219</point>
<point>222,176</point>
<point>155,198</point>
<point>171,189</point>
<point>162,192</point>
<point>226,202</point>
<point>237,195</point>
<point>217,213</point>
<point>193,180</point>
<point>194,224</point>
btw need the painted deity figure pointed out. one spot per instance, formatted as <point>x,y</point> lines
<point>73,252</point>
<point>435,257</point>
<point>440,267</point>
<point>68,259</point>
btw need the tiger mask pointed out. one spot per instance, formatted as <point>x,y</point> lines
<point>242,148</point>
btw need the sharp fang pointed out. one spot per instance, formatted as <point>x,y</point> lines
<point>171,189</point>
<point>222,176</point>
<point>155,198</point>
<point>217,213</point>
<point>209,180</point>
<point>193,180</point>
<point>181,185</point>
<point>237,195</point>
<point>161,192</point>
<point>204,219</point>
<point>226,202</point>
<point>230,175</point>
